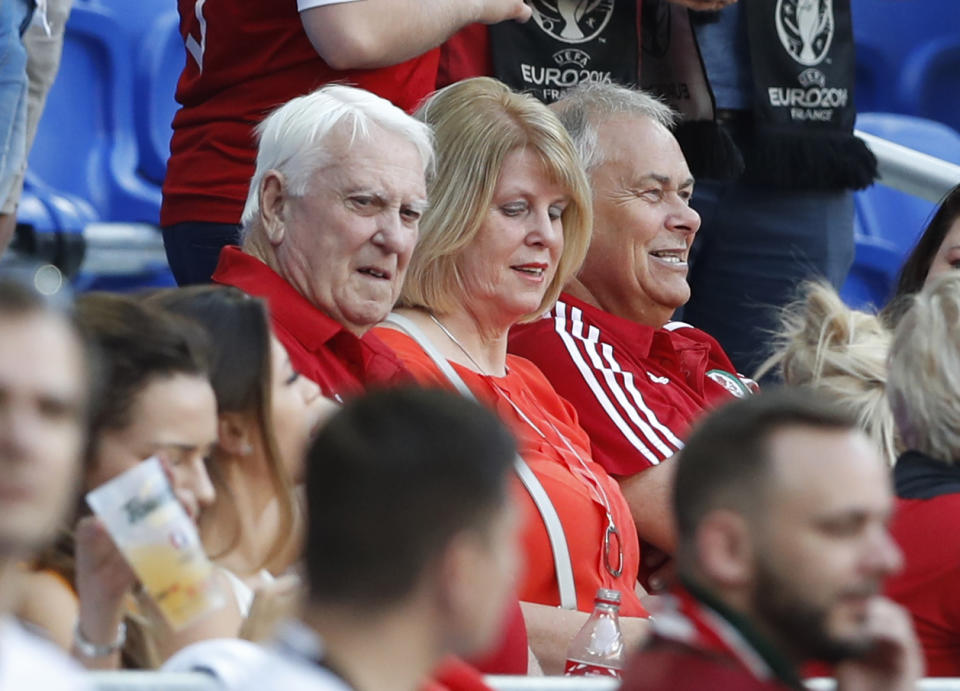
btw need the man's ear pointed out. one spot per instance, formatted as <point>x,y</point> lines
<point>725,548</point>
<point>454,586</point>
<point>233,434</point>
<point>273,200</point>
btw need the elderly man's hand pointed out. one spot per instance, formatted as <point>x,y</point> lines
<point>495,11</point>
<point>704,4</point>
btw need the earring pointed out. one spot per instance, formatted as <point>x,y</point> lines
<point>246,449</point>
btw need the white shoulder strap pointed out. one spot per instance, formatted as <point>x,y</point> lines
<point>558,541</point>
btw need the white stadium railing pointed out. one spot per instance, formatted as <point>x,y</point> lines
<point>153,681</point>
<point>503,683</point>
<point>196,681</point>
<point>909,170</point>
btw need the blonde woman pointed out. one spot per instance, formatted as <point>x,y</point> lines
<point>923,384</point>
<point>509,223</point>
<point>825,345</point>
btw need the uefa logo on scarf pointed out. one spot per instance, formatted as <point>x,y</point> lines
<point>572,21</point>
<point>805,28</point>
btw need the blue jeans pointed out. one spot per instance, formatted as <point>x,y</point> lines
<point>755,246</point>
<point>15,16</point>
<point>193,249</point>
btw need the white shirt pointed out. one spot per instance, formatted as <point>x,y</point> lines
<point>244,666</point>
<point>307,4</point>
<point>228,660</point>
<point>293,674</point>
<point>242,592</point>
<point>292,665</point>
<point>30,662</point>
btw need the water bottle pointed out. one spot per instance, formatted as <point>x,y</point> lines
<point>597,649</point>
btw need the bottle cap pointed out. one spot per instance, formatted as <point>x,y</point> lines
<point>611,597</point>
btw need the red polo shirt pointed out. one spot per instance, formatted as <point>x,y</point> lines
<point>319,347</point>
<point>928,504</point>
<point>637,390</point>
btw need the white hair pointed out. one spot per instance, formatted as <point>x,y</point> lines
<point>583,109</point>
<point>292,138</point>
<point>925,370</point>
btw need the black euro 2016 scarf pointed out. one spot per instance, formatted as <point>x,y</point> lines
<point>567,42</point>
<point>800,131</point>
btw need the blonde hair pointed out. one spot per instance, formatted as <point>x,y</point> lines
<point>477,123</point>
<point>822,344</point>
<point>925,370</point>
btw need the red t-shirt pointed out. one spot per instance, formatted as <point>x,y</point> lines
<point>243,59</point>
<point>637,389</point>
<point>695,647</point>
<point>465,54</point>
<point>566,481</point>
<point>927,586</point>
<point>319,347</point>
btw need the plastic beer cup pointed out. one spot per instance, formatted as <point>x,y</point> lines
<point>159,541</point>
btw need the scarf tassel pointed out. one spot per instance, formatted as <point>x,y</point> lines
<point>809,160</point>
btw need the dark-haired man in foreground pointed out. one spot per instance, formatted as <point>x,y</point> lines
<point>411,543</point>
<point>781,509</point>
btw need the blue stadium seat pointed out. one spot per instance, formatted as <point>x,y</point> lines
<point>872,90</point>
<point>887,32</point>
<point>888,222</point>
<point>152,29</point>
<point>157,71</point>
<point>890,214</point>
<point>900,27</point>
<point>930,80</point>
<point>50,227</point>
<point>872,277</point>
<point>86,144</point>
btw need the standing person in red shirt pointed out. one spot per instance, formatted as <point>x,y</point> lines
<point>922,388</point>
<point>245,58</point>
<point>781,505</point>
<point>637,379</point>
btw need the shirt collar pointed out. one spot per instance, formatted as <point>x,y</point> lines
<point>918,476</point>
<point>778,663</point>
<point>639,335</point>
<point>312,327</point>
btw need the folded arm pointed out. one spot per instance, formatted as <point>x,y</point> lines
<point>367,34</point>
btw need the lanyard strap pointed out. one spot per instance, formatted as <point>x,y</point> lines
<point>599,493</point>
<point>551,520</point>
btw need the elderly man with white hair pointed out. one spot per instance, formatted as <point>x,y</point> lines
<point>329,224</point>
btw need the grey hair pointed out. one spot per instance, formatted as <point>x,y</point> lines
<point>292,138</point>
<point>583,108</point>
<point>925,370</point>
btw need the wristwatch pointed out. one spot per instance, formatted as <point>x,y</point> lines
<point>91,650</point>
